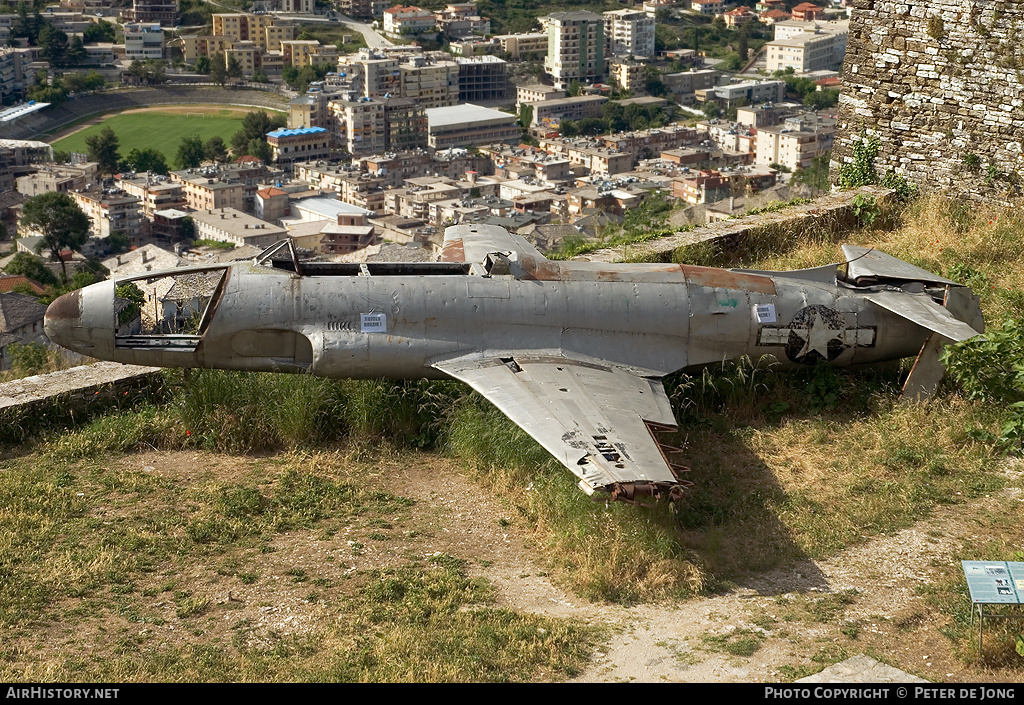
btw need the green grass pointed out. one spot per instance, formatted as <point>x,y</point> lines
<point>136,561</point>
<point>163,131</point>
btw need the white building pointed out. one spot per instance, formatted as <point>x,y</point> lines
<point>629,33</point>
<point>143,41</point>
<point>808,46</point>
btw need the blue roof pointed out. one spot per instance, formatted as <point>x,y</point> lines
<point>296,131</point>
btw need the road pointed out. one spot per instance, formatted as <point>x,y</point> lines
<point>374,40</point>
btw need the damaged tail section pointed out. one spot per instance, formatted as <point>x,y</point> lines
<point>957,318</point>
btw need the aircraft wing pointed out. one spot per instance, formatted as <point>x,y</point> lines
<point>599,422</point>
<point>472,243</point>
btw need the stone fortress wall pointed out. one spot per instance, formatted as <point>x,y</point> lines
<point>940,84</point>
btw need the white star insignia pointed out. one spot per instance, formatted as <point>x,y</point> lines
<point>816,336</point>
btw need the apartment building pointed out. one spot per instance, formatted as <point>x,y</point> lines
<point>629,33</point>
<point>462,20</point>
<point>628,75</point>
<point>14,67</point>
<point>110,210</point>
<point>380,74</point>
<point>684,84</point>
<point>431,84</point>
<point>815,48</point>
<point>164,12</point>
<point>401,19</point>
<point>549,114</point>
<point>231,225</point>
<point>529,45</point>
<point>361,126</point>
<point>576,48</point>
<point>300,52</point>
<point>537,92</point>
<point>751,92</point>
<point>796,142</point>
<point>362,9</point>
<point>143,41</point>
<point>405,125</point>
<point>155,193</point>
<point>205,189</point>
<point>300,144</point>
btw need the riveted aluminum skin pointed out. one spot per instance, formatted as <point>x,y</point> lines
<point>573,352</point>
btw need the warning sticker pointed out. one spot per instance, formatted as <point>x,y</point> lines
<point>764,313</point>
<point>373,323</point>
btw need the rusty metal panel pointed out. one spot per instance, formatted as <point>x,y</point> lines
<point>727,279</point>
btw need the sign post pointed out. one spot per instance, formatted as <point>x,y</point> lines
<point>993,583</point>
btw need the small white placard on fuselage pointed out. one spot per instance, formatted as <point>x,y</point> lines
<point>373,323</point>
<point>764,313</point>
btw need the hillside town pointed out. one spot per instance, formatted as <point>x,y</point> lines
<point>404,121</point>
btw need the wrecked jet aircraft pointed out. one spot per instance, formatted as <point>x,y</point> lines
<point>573,352</point>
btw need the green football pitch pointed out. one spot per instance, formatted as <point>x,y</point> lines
<point>162,130</point>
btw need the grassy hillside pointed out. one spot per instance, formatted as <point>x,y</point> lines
<point>785,466</point>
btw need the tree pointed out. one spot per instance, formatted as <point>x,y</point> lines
<point>117,242</point>
<point>525,116</point>
<point>146,159</point>
<point>103,149</point>
<point>190,152</point>
<point>239,143</point>
<point>76,51</point>
<point>215,150</point>
<point>218,70</point>
<point>62,224</point>
<point>101,31</point>
<point>234,69</point>
<point>261,150</point>
<point>188,228</point>
<point>53,45</point>
<point>32,267</point>
<point>575,88</point>
<point>202,65</point>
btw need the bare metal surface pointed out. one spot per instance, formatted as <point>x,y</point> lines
<point>573,352</point>
<point>868,263</point>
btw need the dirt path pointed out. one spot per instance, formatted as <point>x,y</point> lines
<point>675,642</point>
<point>868,594</point>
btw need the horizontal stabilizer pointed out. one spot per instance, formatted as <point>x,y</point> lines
<point>922,310</point>
<point>866,263</point>
<point>472,243</point>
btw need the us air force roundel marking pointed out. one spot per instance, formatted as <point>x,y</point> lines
<point>816,333</point>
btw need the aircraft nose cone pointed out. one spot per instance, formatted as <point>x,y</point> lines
<point>63,315</point>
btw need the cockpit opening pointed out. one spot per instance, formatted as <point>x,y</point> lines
<point>170,310</point>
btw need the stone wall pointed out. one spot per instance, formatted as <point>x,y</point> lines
<point>940,83</point>
<point>830,214</point>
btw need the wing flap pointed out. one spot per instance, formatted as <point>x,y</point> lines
<point>599,422</point>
